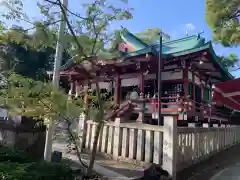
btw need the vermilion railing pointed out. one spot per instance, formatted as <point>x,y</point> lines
<point>188,106</point>
<point>203,110</point>
<point>125,106</point>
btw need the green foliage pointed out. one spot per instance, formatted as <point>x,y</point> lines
<point>29,55</point>
<point>230,61</point>
<point>99,15</point>
<point>16,165</point>
<point>12,155</point>
<point>151,35</point>
<point>35,170</point>
<point>15,9</point>
<point>223,18</point>
<point>88,35</point>
<point>30,98</point>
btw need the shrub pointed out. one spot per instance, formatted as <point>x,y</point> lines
<point>9,154</point>
<point>36,171</point>
<point>16,165</point>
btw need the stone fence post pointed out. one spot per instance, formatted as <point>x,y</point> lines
<point>117,139</point>
<point>170,145</point>
<point>82,130</point>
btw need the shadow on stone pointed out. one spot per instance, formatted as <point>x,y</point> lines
<point>155,172</point>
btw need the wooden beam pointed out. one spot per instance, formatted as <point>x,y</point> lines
<point>205,70</point>
<point>170,60</point>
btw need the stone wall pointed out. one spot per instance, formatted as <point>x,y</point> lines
<point>27,138</point>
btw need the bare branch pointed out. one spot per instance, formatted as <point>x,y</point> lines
<point>68,10</point>
<point>80,48</point>
<point>44,25</point>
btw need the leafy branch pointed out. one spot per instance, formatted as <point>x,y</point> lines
<point>28,96</point>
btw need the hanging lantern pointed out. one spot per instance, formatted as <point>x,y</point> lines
<point>138,65</point>
<point>183,63</point>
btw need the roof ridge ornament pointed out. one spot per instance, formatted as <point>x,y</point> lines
<point>199,34</point>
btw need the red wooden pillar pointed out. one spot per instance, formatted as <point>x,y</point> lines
<point>202,91</point>
<point>194,91</point>
<point>185,82</point>
<point>202,98</point>
<point>141,83</point>
<point>117,94</point>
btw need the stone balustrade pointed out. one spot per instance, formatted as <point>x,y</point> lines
<point>172,147</point>
<point>198,143</point>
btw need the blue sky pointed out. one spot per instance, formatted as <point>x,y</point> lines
<point>175,17</point>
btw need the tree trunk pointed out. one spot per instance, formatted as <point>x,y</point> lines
<point>100,121</point>
<point>94,150</point>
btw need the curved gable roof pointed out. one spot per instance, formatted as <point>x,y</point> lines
<point>174,48</point>
<point>179,47</point>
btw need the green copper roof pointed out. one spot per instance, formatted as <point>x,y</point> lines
<point>178,47</point>
<point>172,47</point>
<point>133,40</point>
<point>183,46</point>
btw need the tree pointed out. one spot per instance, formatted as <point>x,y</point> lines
<point>151,35</point>
<point>231,62</point>
<point>40,100</point>
<point>93,23</point>
<point>223,18</point>
<point>100,14</point>
<point>20,50</point>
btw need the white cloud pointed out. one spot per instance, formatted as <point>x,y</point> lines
<point>189,27</point>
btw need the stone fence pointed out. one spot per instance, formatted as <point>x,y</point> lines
<point>198,143</point>
<point>20,136</point>
<point>174,148</point>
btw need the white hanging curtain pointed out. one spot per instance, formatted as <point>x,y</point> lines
<point>102,85</point>
<point>130,82</point>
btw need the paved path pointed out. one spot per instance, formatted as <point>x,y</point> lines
<point>102,163</point>
<point>230,173</point>
<point>222,166</point>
